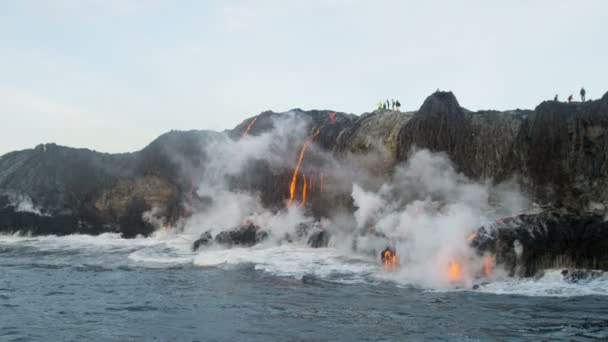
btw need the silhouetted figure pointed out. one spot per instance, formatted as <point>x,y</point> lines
<point>555,98</point>
<point>583,92</point>
<point>388,105</point>
<point>392,104</point>
<point>570,98</point>
<point>398,105</point>
<point>379,105</point>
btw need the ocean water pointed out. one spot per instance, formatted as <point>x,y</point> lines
<point>85,288</point>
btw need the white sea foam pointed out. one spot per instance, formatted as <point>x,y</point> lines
<point>288,261</point>
<point>330,264</point>
<point>552,283</point>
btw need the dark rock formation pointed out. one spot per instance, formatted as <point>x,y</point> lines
<point>83,191</point>
<point>558,152</point>
<point>318,239</point>
<point>204,240</point>
<point>575,276</point>
<point>245,235</point>
<point>526,244</point>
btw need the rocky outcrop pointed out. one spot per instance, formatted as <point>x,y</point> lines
<point>83,191</point>
<point>526,244</point>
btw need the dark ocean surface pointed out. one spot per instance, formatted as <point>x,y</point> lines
<point>81,288</point>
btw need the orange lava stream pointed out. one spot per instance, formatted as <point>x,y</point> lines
<point>248,127</point>
<point>471,236</point>
<point>488,263</point>
<point>454,271</point>
<point>294,178</point>
<point>303,191</point>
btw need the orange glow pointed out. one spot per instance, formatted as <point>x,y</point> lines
<point>454,271</point>
<point>471,236</point>
<point>294,178</point>
<point>332,117</point>
<point>390,260</point>
<point>488,264</point>
<point>248,127</point>
<point>303,191</point>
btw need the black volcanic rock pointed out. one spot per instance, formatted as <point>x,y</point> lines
<point>100,191</point>
<point>245,235</point>
<point>526,244</point>
<point>204,240</point>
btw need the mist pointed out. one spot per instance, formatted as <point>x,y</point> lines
<point>425,209</point>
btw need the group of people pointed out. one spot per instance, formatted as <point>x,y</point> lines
<point>571,97</point>
<point>391,105</point>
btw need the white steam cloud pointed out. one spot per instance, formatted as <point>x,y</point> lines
<point>424,209</point>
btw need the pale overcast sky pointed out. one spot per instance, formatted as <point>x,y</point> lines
<point>114,74</point>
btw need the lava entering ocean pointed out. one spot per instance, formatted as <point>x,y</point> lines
<point>454,271</point>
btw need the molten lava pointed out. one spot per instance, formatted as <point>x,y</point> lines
<point>488,264</point>
<point>454,271</point>
<point>471,236</point>
<point>303,191</point>
<point>248,127</point>
<point>294,178</point>
<point>389,258</point>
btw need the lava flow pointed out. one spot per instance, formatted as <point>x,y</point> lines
<point>303,191</point>
<point>294,178</point>
<point>248,127</point>
<point>454,271</point>
<point>389,258</point>
<point>488,264</point>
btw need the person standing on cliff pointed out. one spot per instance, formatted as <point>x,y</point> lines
<point>398,105</point>
<point>392,104</point>
<point>570,98</point>
<point>555,98</point>
<point>583,92</point>
<point>379,105</point>
<point>388,105</point>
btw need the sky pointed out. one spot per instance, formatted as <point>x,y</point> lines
<point>112,75</point>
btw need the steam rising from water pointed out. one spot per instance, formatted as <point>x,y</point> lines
<point>426,211</point>
<point>425,208</point>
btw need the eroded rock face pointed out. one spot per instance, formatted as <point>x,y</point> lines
<point>527,244</point>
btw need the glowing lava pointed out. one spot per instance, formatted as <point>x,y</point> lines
<point>294,178</point>
<point>488,264</point>
<point>389,258</point>
<point>248,127</point>
<point>303,191</point>
<point>454,271</point>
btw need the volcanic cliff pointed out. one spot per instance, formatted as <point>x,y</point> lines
<point>557,152</point>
